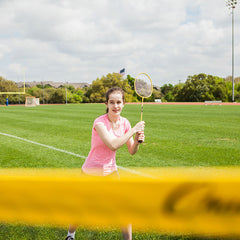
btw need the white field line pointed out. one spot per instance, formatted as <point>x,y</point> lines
<point>43,145</point>
<point>136,172</point>
<point>73,154</point>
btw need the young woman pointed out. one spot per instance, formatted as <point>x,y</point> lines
<point>110,132</point>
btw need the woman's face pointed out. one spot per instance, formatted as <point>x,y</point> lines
<point>115,103</point>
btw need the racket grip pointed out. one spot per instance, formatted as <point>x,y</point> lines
<point>140,141</point>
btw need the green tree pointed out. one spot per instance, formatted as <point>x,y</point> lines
<point>71,88</point>
<point>78,96</point>
<point>87,94</point>
<point>7,85</point>
<point>157,93</point>
<point>202,87</point>
<point>237,89</point>
<point>101,85</point>
<point>59,96</point>
<point>48,93</point>
<point>167,91</point>
<point>131,81</point>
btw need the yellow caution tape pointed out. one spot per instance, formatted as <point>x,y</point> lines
<point>179,200</point>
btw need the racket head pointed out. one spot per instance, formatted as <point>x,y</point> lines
<point>143,85</point>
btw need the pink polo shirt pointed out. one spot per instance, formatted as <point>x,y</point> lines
<point>101,160</point>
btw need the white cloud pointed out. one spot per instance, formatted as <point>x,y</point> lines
<point>4,49</point>
<point>74,40</point>
<point>16,68</point>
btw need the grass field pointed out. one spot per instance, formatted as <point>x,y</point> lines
<point>176,135</point>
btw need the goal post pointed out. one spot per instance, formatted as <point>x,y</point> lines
<point>37,101</point>
<point>31,102</point>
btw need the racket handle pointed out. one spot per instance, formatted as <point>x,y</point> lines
<point>140,141</point>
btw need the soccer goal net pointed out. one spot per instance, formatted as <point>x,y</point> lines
<point>31,102</point>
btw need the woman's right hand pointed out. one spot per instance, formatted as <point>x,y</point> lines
<point>139,127</point>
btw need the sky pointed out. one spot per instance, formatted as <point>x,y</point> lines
<point>81,40</point>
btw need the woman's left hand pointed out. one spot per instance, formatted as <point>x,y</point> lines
<point>140,137</point>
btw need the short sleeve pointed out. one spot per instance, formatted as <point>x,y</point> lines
<point>100,120</point>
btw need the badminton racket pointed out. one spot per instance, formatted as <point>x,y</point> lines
<point>143,87</point>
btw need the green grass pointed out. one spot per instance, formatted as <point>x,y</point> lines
<point>176,135</point>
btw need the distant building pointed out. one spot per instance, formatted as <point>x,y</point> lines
<point>52,84</point>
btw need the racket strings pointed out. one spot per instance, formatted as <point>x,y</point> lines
<point>143,87</point>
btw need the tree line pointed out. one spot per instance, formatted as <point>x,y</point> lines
<point>197,88</point>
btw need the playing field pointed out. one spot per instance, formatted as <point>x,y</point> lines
<point>59,136</point>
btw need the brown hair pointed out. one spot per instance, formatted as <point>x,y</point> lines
<point>112,90</point>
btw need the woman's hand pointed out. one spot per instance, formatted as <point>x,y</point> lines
<point>139,127</point>
<point>133,144</point>
<point>139,137</point>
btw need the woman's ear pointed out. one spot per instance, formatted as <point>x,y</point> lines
<point>107,107</point>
